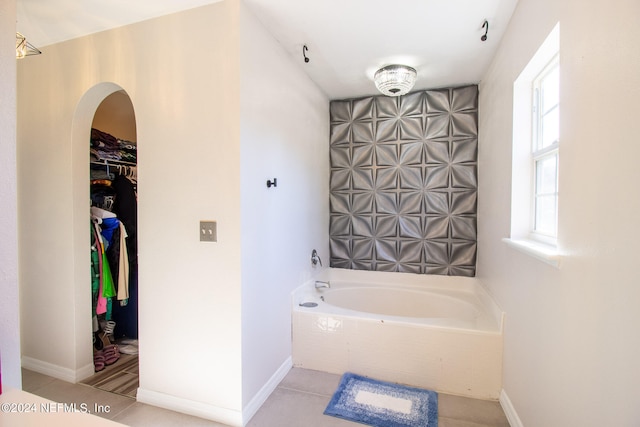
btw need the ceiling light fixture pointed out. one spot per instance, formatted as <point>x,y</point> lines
<point>24,48</point>
<point>395,80</point>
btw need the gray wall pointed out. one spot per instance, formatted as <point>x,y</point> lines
<point>404,182</point>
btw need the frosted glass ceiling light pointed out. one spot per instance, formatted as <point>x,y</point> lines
<point>395,80</point>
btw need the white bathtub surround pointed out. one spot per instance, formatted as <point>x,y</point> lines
<point>458,351</point>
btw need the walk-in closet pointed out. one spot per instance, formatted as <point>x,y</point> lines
<point>114,266</point>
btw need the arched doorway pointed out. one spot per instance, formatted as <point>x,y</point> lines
<point>106,106</point>
<point>113,178</point>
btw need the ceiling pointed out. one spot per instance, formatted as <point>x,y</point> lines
<point>347,40</point>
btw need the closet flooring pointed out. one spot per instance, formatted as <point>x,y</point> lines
<point>119,378</point>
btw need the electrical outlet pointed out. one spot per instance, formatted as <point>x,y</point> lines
<point>208,231</point>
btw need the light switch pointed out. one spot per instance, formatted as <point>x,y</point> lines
<point>208,231</point>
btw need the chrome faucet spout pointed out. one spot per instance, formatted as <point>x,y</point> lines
<point>320,284</point>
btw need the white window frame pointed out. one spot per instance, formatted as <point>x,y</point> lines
<point>523,190</point>
<point>539,154</point>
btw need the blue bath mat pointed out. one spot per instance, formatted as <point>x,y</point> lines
<point>383,404</point>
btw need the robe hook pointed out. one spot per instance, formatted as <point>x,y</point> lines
<point>304,53</point>
<point>486,24</point>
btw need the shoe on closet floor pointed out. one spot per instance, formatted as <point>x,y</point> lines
<point>128,349</point>
<point>128,345</point>
<point>107,333</point>
<point>98,361</point>
<point>111,354</point>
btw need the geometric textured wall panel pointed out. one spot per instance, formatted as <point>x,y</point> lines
<point>403,186</point>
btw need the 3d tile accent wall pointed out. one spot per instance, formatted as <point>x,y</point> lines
<point>403,189</point>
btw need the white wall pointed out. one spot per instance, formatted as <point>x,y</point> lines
<point>572,347</point>
<point>284,135</point>
<point>181,73</point>
<point>9,303</point>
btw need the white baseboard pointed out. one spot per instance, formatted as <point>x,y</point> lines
<point>509,410</point>
<point>64,374</point>
<point>266,390</point>
<point>222,415</point>
<point>214,413</point>
<point>190,407</point>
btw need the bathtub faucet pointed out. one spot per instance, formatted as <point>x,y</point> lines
<point>321,284</point>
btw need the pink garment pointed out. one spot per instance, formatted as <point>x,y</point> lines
<point>101,307</point>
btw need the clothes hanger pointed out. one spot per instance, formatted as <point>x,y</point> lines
<point>101,213</point>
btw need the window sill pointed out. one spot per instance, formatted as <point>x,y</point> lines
<point>544,253</point>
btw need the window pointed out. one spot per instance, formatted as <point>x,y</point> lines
<point>535,155</point>
<point>545,140</point>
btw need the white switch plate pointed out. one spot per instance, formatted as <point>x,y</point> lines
<point>208,231</point>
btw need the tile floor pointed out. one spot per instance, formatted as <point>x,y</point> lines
<point>298,401</point>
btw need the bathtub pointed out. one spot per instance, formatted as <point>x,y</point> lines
<point>437,332</point>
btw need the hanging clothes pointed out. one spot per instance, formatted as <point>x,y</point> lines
<point>108,226</point>
<point>117,255</point>
<point>113,195</point>
<point>123,270</point>
<point>115,234</point>
<point>100,267</point>
<point>125,207</point>
<point>95,276</point>
<point>108,287</point>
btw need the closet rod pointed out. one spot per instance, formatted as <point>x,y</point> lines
<point>112,163</point>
